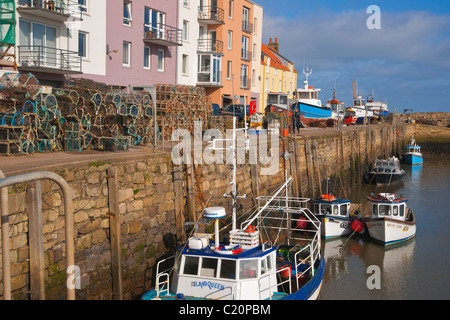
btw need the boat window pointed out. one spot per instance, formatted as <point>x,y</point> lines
<point>283,100</point>
<point>385,210</point>
<point>263,266</point>
<point>326,209</point>
<point>303,95</point>
<point>395,210</point>
<point>402,210</point>
<point>228,269</point>
<point>190,265</point>
<point>344,209</point>
<point>248,269</point>
<point>335,210</point>
<point>209,267</point>
<point>375,210</point>
<point>269,262</point>
<point>273,98</point>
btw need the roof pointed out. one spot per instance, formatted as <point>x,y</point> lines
<point>275,62</point>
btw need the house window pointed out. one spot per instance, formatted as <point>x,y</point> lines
<point>254,51</point>
<point>253,77</point>
<point>147,53</point>
<point>185,30</point>
<point>255,23</point>
<point>82,5</point>
<point>42,36</point>
<point>160,60</point>
<point>228,70</point>
<point>154,21</point>
<point>82,44</point>
<point>244,76</point>
<point>230,9</point>
<point>230,39</point>
<point>184,64</point>
<point>268,65</point>
<point>127,13</point>
<point>186,3</point>
<point>244,49</point>
<point>126,54</point>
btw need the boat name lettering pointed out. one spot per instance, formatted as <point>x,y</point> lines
<point>209,284</point>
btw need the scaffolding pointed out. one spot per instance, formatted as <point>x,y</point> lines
<point>8,34</point>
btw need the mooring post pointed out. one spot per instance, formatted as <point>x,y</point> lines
<point>36,240</point>
<point>114,226</point>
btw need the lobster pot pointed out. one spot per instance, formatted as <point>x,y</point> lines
<point>247,240</point>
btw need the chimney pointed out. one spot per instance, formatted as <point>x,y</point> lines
<point>274,45</point>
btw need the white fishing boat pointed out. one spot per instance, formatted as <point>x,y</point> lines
<point>337,107</point>
<point>358,112</point>
<point>379,108</point>
<point>390,221</point>
<point>251,265</point>
<point>336,215</point>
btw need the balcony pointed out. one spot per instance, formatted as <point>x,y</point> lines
<point>246,55</point>
<point>247,26</point>
<point>210,46</point>
<point>211,15</point>
<point>55,10</point>
<point>163,35</point>
<point>49,60</point>
<point>209,79</point>
<point>245,82</point>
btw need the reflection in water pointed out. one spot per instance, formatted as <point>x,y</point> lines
<point>417,269</point>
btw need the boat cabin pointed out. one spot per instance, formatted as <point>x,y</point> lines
<point>207,274</point>
<point>332,207</point>
<point>359,102</point>
<point>387,205</point>
<point>412,147</point>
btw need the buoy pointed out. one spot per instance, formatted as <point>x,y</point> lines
<point>357,225</point>
<point>302,223</point>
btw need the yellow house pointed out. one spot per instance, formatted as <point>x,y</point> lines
<point>278,74</point>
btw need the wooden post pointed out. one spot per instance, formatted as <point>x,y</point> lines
<point>178,190</point>
<point>316,166</point>
<point>114,226</point>
<point>36,241</point>
<point>293,161</point>
<point>309,167</point>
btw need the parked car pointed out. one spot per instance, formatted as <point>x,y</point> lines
<point>235,109</point>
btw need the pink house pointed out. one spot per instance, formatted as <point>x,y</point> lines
<point>141,43</point>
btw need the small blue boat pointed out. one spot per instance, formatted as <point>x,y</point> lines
<point>413,154</point>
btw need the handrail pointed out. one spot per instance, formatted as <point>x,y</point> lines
<point>68,214</point>
<point>165,284</point>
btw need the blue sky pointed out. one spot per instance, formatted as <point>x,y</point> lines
<point>406,62</point>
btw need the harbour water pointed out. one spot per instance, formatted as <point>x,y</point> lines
<point>417,269</point>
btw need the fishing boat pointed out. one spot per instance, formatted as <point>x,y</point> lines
<point>385,171</point>
<point>390,220</point>
<point>250,265</point>
<point>413,155</point>
<point>307,102</point>
<point>337,107</point>
<point>379,109</point>
<point>336,215</point>
<point>357,113</point>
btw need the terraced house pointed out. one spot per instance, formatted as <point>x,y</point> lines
<point>278,73</point>
<point>134,44</point>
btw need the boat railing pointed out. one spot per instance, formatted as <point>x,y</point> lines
<point>161,287</point>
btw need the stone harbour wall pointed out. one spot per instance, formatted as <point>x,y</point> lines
<point>155,200</point>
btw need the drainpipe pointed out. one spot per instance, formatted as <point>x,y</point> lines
<point>68,214</point>
<point>5,242</point>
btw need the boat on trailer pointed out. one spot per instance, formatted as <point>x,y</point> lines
<point>254,264</point>
<point>413,154</point>
<point>336,215</point>
<point>390,221</point>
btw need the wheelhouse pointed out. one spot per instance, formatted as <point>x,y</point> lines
<point>337,208</point>
<point>386,205</point>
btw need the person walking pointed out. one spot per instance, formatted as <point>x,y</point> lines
<point>297,120</point>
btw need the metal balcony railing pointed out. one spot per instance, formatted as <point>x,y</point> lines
<point>209,45</point>
<point>246,55</point>
<point>211,14</point>
<point>247,26</point>
<point>208,78</point>
<point>162,34</point>
<point>49,59</point>
<point>65,7</point>
<point>245,82</point>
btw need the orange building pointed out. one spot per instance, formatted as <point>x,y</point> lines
<point>228,58</point>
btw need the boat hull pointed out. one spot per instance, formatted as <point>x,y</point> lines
<point>390,231</point>
<point>312,114</point>
<point>311,290</point>
<point>332,226</point>
<point>382,178</point>
<point>413,158</point>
